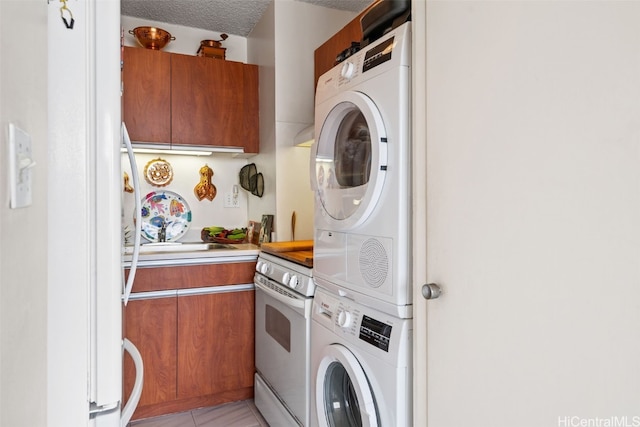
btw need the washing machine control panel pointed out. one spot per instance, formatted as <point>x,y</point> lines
<point>375,333</point>
<point>352,322</point>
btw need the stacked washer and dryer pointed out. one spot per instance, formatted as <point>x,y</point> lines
<point>361,328</point>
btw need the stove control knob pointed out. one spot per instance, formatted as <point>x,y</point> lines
<point>347,70</point>
<point>264,269</point>
<point>293,282</point>
<point>285,277</point>
<point>258,266</point>
<point>344,319</point>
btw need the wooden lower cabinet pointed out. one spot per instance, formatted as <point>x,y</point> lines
<point>215,331</point>
<point>197,349</point>
<point>151,325</point>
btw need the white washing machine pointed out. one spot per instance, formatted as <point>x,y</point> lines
<point>360,172</point>
<point>360,365</point>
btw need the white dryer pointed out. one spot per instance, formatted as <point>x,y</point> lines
<point>360,365</point>
<point>360,172</point>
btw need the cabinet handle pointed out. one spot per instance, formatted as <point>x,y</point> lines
<point>190,291</point>
<point>214,290</point>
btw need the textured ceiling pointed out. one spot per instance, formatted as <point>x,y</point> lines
<point>237,17</point>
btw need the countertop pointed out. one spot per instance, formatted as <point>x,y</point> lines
<point>241,252</point>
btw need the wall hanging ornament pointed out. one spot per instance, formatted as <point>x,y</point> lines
<point>127,186</point>
<point>205,189</point>
<point>252,180</point>
<point>158,172</point>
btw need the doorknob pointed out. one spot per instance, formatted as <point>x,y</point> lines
<point>431,291</point>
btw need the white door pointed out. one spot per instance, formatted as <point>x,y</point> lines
<point>533,214</point>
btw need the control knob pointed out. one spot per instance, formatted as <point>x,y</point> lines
<point>347,70</point>
<point>264,269</point>
<point>285,278</point>
<point>293,282</point>
<point>344,319</point>
<point>258,266</point>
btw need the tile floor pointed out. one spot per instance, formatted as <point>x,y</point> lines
<point>236,414</point>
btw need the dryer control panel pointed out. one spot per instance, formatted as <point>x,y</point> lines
<point>390,51</point>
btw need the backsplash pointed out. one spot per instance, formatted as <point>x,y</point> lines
<point>185,178</point>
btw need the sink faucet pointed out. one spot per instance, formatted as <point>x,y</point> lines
<point>162,234</point>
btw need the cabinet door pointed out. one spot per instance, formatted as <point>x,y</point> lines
<point>146,96</point>
<point>251,117</point>
<point>151,326</point>
<point>207,97</point>
<point>215,343</point>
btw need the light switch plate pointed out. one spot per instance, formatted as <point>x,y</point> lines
<point>20,165</point>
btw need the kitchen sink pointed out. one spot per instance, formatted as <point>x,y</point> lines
<point>178,247</point>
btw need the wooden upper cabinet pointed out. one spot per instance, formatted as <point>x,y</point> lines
<point>190,100</point>
<point>207,101</point>
<point>325,55</point>
<point>251,124</point>
<point>146,101</point>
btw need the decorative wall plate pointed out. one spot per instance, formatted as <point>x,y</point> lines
<point>166,207</point>
<point>158,172</point>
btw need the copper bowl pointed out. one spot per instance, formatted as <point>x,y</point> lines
<point>151,37</point>
<point>214,43</point>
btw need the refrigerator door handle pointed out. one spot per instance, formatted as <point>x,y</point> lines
<point>138,222</point>
<point>132,403</point>
<point>95,410</point>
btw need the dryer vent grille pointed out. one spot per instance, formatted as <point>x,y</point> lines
<point>374,263</point>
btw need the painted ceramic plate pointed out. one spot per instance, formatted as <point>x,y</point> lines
<point>166,207</point>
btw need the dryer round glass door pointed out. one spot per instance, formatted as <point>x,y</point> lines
<point>350,160</point>
<point>343,395</point>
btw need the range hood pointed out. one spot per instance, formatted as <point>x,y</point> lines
<point>305,137</point>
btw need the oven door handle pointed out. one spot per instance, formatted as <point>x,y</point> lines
<point>291,302</point>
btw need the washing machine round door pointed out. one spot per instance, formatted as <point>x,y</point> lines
<point>343,395</point>
<point>350,159</point>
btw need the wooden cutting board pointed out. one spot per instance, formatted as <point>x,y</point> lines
<point>279,247</point>
<point>300,257</point>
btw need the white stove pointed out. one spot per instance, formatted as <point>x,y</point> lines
<point>284,296</point>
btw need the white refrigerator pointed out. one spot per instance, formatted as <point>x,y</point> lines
<point>85,138</point>
<point>111,290</point>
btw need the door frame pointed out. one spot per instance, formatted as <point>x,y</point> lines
<point>419,207</point>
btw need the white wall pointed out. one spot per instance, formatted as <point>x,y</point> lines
<point>187,39</point>
<point>186,176</point>
<point>261,51</point>
<point>295,30</point>
<point>23,232</point>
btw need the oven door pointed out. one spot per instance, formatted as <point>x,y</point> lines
<point>283,324</point>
